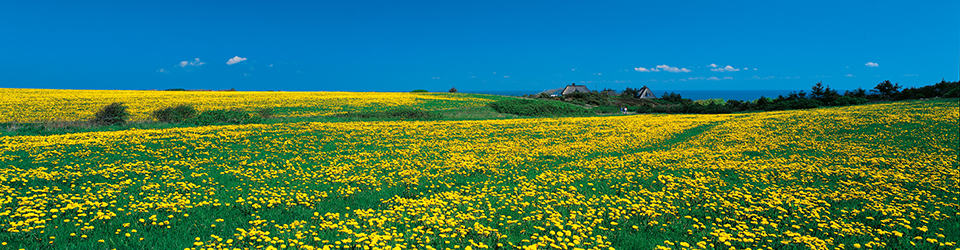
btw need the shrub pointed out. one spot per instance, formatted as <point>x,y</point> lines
<point>717,101</point>
<point>640,109</point>
<point>955,92</point>
<point>265,113</point>
<point>803,104</point>
<point>591,98</point>
<point>848,100</point>
<point>525,107</point>
<point>232,116</point>
<point>419,90</point>
<point>453,90</point>
<point>115,113</point>
<point>176,114</point>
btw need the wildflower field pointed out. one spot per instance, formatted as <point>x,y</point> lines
<point>38,105</point>
<point>857,177</point>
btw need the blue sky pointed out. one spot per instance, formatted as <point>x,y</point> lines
<point>476,45</point>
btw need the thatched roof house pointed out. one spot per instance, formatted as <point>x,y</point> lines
<point>574,88</point>
<point>646,93</point>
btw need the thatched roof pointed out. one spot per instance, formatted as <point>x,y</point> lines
<point>574,88</point>
<point>646,93</point>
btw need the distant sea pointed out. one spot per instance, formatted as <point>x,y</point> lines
<point>690,94</point>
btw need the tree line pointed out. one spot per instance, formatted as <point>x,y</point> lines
<point>608,101</point>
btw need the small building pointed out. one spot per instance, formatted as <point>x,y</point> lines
<point>646,93</point>
<point>574,88</point>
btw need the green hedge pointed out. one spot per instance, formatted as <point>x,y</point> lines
<point>526,107</point>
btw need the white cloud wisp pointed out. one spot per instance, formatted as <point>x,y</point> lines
<point>728,68</point>
<point>235,60</point>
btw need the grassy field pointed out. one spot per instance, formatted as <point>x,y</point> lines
<point>870,176</point>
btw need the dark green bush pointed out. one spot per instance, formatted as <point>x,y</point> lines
<point>115,113</point>
<point>176,114</point>
<point>419,90</point>
<point>395,113</point>
<point>955,92</point>
<point>847,100</point>
<point>526,107</point>
<point>803,104</point>
<point>592,98</point>
<point>232,116</point>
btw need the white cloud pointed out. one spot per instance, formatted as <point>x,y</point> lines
<point>641,69</point>
<point>754,68</point>
<point>163,71</point>
<point>506,76</point>
<point>910,75</point>
<point>712,65</point>
<point>849,75</point>
<point>235,60</point>
<point>872,64</point>
<point>271,65</point>
<point>195,62</point>
<point>672,69</point>
<point>435,77</point>
<point>728,68</point>
<point>712,78</point>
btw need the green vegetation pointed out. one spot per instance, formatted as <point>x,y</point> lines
<point>231,116</point>
<point>676,181</point>
<point>113,114</point>
<point>176,114</point>
<point>819,96</point>
<point>265,113</point>
<point>395,113</point>
<point>533,107</point>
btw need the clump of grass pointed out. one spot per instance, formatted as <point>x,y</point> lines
<point>231,116</point>
<point>265,113</point>
<point>527,107</point>
<point>395,113</point>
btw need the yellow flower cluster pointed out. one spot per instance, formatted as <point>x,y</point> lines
<point>872,176</point>
<point>32,105</point>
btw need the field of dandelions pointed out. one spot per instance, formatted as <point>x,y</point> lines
<point>858,177</point>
